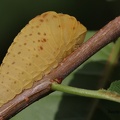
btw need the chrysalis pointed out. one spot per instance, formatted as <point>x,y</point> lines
<point>39,47</point>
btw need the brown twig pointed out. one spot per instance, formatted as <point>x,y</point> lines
<point>43,87</point>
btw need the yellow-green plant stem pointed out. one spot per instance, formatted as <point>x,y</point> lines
<point>101,94</point>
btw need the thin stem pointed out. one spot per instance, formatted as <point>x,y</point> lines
<point>101,94</point>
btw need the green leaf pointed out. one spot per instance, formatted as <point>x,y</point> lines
<point>115,86</point>
<point>63,106</point>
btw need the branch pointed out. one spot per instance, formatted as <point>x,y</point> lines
<point>107,34</point>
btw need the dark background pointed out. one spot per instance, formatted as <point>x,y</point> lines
<point>15,14</point>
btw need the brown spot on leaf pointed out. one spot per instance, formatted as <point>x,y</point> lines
<point>7,90</point>
<point>19,52</point>
<point>54,16</point>
<point>7,73</point>
<point>73,28</point>
<point>41,20</point>
<point>41,48</point>
<point>13,62</point>
<point>71,18</point>
<point>44,15</point>
<point>38,33</point>
<point>36,55</point>
<point>25,43</point>
<point>8,53</point>
<point>30,34</point>
<point>37,26</point>
<point>29,64</point>
<point>43,40</point>
<point>45,34</point>
<point>22,73</point>
<point>15,82</point>
<point>14,43</point>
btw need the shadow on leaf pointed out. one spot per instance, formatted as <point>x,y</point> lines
<point>80,108</point>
